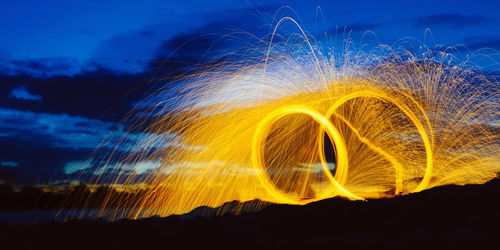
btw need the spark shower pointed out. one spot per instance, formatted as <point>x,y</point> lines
<point>296,121</point>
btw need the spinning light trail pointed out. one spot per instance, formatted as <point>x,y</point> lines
<point>300,126</point>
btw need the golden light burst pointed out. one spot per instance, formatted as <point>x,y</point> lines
<point>395,121</point>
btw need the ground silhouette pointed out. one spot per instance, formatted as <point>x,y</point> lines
<point>448,217</point>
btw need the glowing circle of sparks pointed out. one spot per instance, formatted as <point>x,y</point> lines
<point>421,130</point>
<point>333,133</point>
<point>340,148</point>
<point>397,123</point>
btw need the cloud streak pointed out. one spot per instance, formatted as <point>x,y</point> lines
<point>43,67</point>
<point>450,20</point>
<point>21,92</point>
<point>358,27</point>
<point>482,42</point>
<point>70,132</point>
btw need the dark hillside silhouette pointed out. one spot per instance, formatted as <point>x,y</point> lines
<point>448,217</point>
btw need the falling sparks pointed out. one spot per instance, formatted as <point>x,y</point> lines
<point>293,125</point>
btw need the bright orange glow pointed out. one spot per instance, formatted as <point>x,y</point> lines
<point>398,123</point>
<point>332,133</point>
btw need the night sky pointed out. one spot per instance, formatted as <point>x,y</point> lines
<point>71,70</point>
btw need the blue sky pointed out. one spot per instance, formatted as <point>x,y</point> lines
<point>70,70</point>
<point>125,35</point>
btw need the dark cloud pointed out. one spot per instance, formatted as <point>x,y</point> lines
<point>225,37</point>
<point>60,130</point>
<point>36,161</point>
<point>128,51</point>
<point>473,43</point>
<point>21,92</point>
<point>206,37</point>
<point>450,20</point>
<point>186,52</point>
<point>41,67</point>
<point>94,94</point>
<point>482,42</point>
<point>357,27</point>
<point>63,139</point>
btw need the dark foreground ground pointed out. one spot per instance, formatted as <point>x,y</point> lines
<point>450,217</point>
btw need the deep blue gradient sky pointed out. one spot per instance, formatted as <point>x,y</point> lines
<point>69,70</point>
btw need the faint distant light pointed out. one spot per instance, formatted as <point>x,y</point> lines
<point>21,92</point>
<point>75,166</point>
<point>9,164</point>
